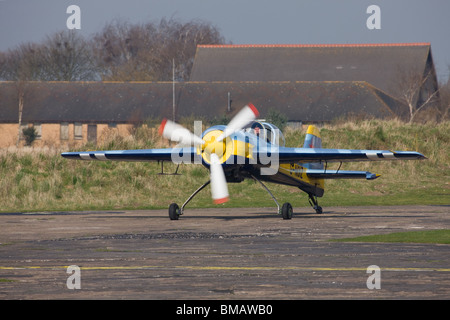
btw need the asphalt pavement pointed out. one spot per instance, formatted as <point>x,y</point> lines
<point>222,254</point>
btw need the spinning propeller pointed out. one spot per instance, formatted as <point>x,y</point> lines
<point>214,148</point>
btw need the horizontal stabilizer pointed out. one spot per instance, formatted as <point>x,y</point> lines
<point>341,174</point>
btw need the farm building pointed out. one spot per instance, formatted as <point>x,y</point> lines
<point>306,83</point>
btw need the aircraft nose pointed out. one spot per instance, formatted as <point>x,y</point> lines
<point>214,146</point>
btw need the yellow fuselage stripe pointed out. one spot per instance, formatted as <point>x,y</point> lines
<point>299,173</point>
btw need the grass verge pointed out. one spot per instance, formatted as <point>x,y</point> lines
<point>41,180</point>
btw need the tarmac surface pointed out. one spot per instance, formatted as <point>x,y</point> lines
<point>221,254</point>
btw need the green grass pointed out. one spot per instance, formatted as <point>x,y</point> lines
<point>41,180</point>
<point>429,236</point>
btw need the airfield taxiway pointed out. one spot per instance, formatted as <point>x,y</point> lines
<point>219,253</point>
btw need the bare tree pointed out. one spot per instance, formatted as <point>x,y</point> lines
<point>22,63</point>
<point>121,51</point>
<point>125,52</point>
<point>417,90</point>
<point>146,51</point>
<point>180,43</point>
<point>64,56</point>
<point>444,92</point>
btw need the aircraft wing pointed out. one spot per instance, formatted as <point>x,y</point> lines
<point>176,155</point>
<point>289,155</point>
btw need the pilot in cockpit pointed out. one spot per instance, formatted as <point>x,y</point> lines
<point>257,128</point>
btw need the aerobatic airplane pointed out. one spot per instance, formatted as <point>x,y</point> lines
<point>251,149</point>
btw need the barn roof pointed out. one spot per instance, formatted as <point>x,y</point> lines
<point>132,102</point>
<point>377,64</point>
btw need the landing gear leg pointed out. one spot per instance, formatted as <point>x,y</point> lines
<point>313,202</point>
<point>175,212</point>
<point>286,210</point>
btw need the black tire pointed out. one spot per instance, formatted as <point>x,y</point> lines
<point>286,211</point>
<point>174,211</point>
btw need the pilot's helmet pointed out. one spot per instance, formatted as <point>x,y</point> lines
<point>257,128</point>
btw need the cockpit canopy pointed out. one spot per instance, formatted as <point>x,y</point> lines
<point>266,131</point>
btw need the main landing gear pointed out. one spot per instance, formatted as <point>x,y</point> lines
<point>175,212</point>
<point>285,211</point>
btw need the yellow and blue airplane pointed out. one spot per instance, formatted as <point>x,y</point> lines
<point>250,149</point>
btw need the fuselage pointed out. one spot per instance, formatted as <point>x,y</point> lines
<point>253,151</point>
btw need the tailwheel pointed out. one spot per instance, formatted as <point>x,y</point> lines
<point>174,211</point>
<point>318,209</point>
<point>314,204</point>
<point>286,211</point>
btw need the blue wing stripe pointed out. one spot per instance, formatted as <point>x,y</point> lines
<point>287,155</point>
<point>175,154</point>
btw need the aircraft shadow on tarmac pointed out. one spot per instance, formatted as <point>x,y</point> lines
<point>246,216</point>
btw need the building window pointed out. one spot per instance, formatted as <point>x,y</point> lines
<point>92,133</point>
<point>78,131</point>
<point>64,131</point>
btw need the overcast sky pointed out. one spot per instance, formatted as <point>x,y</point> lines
<point>247,21</point>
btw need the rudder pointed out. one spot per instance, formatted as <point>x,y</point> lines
<point>313,140</point>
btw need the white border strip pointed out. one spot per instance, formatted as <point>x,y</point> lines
<point>100,156</point>
<point>85,156</point>
<point>389,155</point>
<point>372,156</point>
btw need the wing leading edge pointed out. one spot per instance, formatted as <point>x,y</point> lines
<point>177,155</point>
<point>288,155</point>
<point>285,155</point>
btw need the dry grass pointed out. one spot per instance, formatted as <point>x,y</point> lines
<point>41,180</point>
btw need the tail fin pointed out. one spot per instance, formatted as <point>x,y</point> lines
<point>313,140</point>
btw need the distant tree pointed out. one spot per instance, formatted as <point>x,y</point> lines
<point>277,118</point>
<point>21,63</point>
<point>183,44</point>
<point>121,51</point>
<point>444,92</point>
<point>124,52</point>
<point>64,56</point>
<point>415,90</point>
<point>145,51</point>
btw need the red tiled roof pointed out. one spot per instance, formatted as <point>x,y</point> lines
<point>313,45</point>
